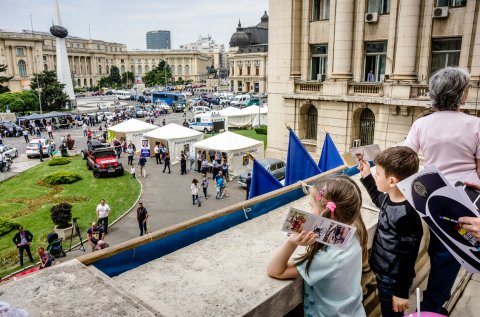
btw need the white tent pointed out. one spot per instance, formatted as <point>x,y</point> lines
<point>175,137</point>
<point>247,117</point>
<point>229,111</point>
<point>131,130</point>
<point>236,147</point>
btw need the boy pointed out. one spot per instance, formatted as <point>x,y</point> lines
<point>399,230</point>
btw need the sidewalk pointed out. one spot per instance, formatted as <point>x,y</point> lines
<point>19,164</point>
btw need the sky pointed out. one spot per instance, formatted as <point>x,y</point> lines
<point>127,22</point>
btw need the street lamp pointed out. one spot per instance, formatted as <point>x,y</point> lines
<point>39,90</point>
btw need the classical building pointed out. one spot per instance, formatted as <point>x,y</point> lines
<point>360,69</point>
<point>206,45</point>
<point>25,54</point>
<point>247,57</point>
<point>158,40</point>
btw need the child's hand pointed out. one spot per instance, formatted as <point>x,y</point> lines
<point>303,239</point>
<point>399,304</point>
<point>364,168</point>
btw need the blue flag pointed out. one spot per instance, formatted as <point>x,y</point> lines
<point>330,158</point>
<point>300,165</point>
<point>262,181</point>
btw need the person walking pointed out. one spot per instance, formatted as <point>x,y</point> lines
<point>215,168</point>
<point>141,162</point>
<point>164,122</point>
<point>183,164</point>
<point>199,161</point>
<point>103,211</point>
<point>142,217</point>
<point>22,240</point>
<point>225,170</point>
<point>192,161</point>
<point>40,150</point>
<point>163,151</point>
<point>130,153</point>
<point>25,135</point>
<point>156,151</point>
<point>167,163</point>
<point>248,181</point>
<point>50,131</point>
<point>219,182</point>
<point>37,132</point>
<point>204,166</point>
<point>194,189</point>
<point>204,182</point>
<point>84,129</point>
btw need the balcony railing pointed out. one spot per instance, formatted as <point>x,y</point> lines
<point>370,89</point>
<point>308,86</point>
<point>419,91</point>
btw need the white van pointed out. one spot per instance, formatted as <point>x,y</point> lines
<point>123,95</point>
<point>201,109</point>
<point>207,122</point>
<point>238,99</point>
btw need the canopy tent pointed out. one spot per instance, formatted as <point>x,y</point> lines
<point>53,114</point>
<point>131,130</point>
<point>175,137</point>
<point>247,117</point>
<point>229,111</point>
<point>236,147</point>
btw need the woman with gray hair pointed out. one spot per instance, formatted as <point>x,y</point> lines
<point>450,140</point>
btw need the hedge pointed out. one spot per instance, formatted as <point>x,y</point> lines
<point>261,130</point>
<point>59,161</point>
<point>7,225</point>
<point>62,178</point>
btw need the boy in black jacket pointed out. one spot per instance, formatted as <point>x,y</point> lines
<point>399,230</point>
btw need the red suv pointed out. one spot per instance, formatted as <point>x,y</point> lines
<point>103,161</point>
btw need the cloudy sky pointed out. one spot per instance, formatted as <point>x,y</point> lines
<point>127,21</point>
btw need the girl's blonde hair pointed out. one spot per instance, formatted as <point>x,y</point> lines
<point>347,196</point>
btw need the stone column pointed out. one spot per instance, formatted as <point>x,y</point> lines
<point>475,67</point>
<point>10,61</point>
<point>343,43</point>
<point>407,39</point>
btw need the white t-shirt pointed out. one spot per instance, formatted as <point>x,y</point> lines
<point>156,150</point>
<point>450,140</point>
<point>103,210</point>
<point>194,189</point>
<point>49,128</point>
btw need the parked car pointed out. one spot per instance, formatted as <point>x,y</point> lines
<point>103,161</point>
<point>91,146</point>
<point>32,148</point>
<point>10,150</point>
<point>109,116</point>
<point>138,98</point>
<point>7,128</point>
<point>274,166</point>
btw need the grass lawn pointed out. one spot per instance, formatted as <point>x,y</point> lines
<point>28,203</point>
<point>248,133</point>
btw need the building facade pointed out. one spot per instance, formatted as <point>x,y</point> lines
<point>158,40</point>
<point>25,54</point>
<point>206,45</point>
<point>360,69</point>
<point>248,58</point>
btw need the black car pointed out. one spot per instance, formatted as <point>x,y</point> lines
<point>9,128</point>
<point>93,145</point>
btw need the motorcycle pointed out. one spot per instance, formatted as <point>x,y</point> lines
<point>6,163</point>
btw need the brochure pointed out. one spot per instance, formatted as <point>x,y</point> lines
<point>329,232</point>
<point>366,153</point>
<point>440,204</point>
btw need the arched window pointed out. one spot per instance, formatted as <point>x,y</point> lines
<point>147,69</point>
<point>132,69</point>
<point>179,70</point>
<point>85,82</point>
<point>99,69</point>
<point>122,69</point>
<point>312,121</point>
<point>139,70</point>
<point>22,68</point>
<point>187,70</point>
<point>367,127</point>
<point>108,69</point>
<point>78,81</point>
<point>45,67</point>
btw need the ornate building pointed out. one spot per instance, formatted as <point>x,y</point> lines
<point>360,69</point>
<point>247,57</point>
<point>26,54</point>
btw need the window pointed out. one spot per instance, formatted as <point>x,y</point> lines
<point>312,122</point>
<point>139,69</point>
<point>319,62</point>
<point>99,69</point>
<point>78,45</point>
<point>256,87</point>
<point>248,70</point>
<point>22,68</point>
<point>146,60</point>
<point>122,69</point>
<point>445,52</point>
<point>132,69</point>
<point>367,127</point>
<point>44,58</point>
<point>98,47</point>
<point>375,60</point>
<point>257,70</point>
<point>153,60</point>
<point>116,49</point>
<point>451,3</point>
<point>380,6</point>
<point>122,61</point>
<point>147,69</point>
<point>240,70</point>
<point>240,84</point>
<point>321,10</point>
<point>20,51</point>
<point>179,70</point>
<point>45,67</point>
<point>187,70</point>
<point>233,72</point>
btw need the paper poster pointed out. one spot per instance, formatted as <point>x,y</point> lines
<point>366,153</point>
<point>329,232</point>
<point>440,204</point>
<point>145,150</point>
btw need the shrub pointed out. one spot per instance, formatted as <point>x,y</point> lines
<point>261,129</point>
<point>7,225</point>
<point>61,215</point>
<point>58,161</point>
<point>62,178</point>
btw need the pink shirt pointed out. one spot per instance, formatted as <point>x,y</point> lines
<point>450,140</point>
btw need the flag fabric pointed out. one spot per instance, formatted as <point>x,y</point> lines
<point>262,181</point>
<point>300,165</point>
<point>330,157</point>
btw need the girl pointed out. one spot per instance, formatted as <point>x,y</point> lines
<point>45,258</point>
<point>194,189</point>
<point>332,276</point>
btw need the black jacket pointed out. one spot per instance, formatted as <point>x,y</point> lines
<point>397,238</point>
<point>16,238</point>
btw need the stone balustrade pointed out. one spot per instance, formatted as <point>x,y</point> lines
<point>308,86</point>
<point>370,89</point>
<point>419,92</point>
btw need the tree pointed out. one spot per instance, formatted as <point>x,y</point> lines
<point>104,82</point>
<point>19,102</point>
<point>52,95</point>
<point>127,78</point>
<point>4,79</point>
<point>159,75</point>
<point>115,79</point>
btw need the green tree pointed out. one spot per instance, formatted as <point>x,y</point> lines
<point>19,102</point>
<point>158,75</point>
<point>180,81</point>
<point>4,79</point>
<point>104,82</point>
<point>127,78</point>
<point>52,95</point>
<point>115,79</point>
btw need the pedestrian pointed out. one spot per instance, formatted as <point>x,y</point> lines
<point>204,166</point>
<point>96,237</point>
<point>199,161</point>
<point>40,150</point>
<point>49,131</point>
<point>219,183</point>
<point>204,182</point>
<point>248,181</point>
<point>132,171</point>
<point>84,129</point>
<point>130,153</point>
<point>185,112</point>
<point>51,149</point>
<point>164,122</point>
<point>118,147</point>
<point>133,146</point>
<point>194,189</point>
<point>216,168</point>
<point>89,134</point>
<point>183,164</point>
<point>142,217</point>
<point>163,152</point>
<point>192,161</point>
<point>218,157</point>
<point>37,132</point>
<point>167,163</point>
<point>103,211</point>
<point>211,154</point>
<point>45,258</point>
<point>224,168</point>
<point>141,162</point>
<point>25,135</point>
<point>22,240</point>
<point>156,151</point>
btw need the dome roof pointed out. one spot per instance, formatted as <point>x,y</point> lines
<point>239,39</point>
<point>264,17</point>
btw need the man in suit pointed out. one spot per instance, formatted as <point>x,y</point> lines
<point>22,240</point>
